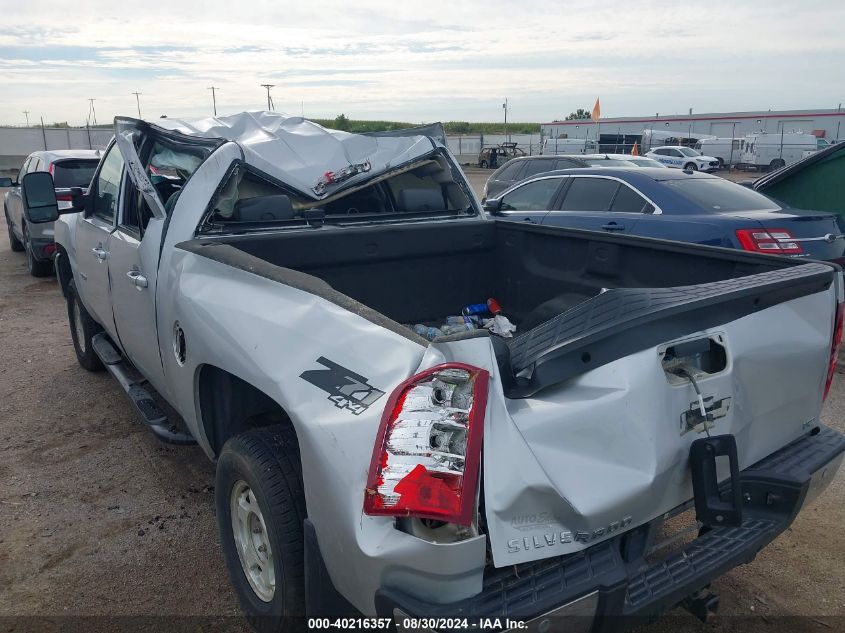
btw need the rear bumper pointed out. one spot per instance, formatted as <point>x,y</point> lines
<point>610,586</point>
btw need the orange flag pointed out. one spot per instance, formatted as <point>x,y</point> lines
<point>596,115</point>
<point>635,150</point>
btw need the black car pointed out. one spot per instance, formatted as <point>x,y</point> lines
<point>518,169</point>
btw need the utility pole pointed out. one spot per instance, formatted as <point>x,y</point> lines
<point>838,121</point>
<point>44,134</point>
<point>26,114</point>
<point>214,90</point>
<point>269,98</point>
<point>138,101</point>
<point>505,108</point>
<point>731,159</point>
<point>92,112</point>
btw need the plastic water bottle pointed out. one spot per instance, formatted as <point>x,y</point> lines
<point>427,332</point>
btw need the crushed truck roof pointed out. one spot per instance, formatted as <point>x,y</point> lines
<point>302,153</point>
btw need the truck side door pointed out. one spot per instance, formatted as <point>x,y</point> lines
<point>150,192</point>
<point>93,234</point>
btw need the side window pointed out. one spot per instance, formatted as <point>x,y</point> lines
<point>23,172</point>
<point>108,185</point>
<point>676,153</point>
<point>538,166</point>
<point>509,172</point>
<point>35,165</point>
<point>589,194</point>
<point>534,196</point>
<point>628,201</point>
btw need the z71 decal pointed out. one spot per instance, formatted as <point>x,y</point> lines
<point>346,389</point>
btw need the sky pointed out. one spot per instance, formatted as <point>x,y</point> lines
<point>418,62</point>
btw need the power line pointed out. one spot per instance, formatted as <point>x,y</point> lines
<point>214,90</point>
<point>269,98</point>
<point>138,101</point>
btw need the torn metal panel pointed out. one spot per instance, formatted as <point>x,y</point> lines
<point>301,153</point>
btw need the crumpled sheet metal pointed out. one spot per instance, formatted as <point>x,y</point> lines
<point>299,152</point>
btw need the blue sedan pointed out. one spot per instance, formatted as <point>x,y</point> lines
<point>673,205</point>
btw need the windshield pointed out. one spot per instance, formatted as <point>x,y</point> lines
<point>74,173</point>
<point>608,162</point>
<point>646,162</point>
<point>688,151</point>
<point>715,194</point>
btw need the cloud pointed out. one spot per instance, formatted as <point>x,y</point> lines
<point>446,61</point>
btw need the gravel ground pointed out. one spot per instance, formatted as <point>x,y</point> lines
<point>98,518</point>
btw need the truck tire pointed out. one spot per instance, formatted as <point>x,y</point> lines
<point>36,267</point>
<point>14,242</point>
<point>483,164</point>
<point>776,164</point>
<point>260,513</point>
<point>82,329</point>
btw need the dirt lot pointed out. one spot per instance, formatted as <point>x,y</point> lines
<point>97,518</point>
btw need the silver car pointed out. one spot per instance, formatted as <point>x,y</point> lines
<point>70,168</point>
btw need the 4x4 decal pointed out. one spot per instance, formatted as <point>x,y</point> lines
<point>346,389</point>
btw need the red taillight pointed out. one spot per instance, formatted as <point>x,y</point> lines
<point>834,347</point>
<point>50,248</point>
<point>64,197</point>
<point>52,168</point>
<point>773,241</point>
<point>428,449</point>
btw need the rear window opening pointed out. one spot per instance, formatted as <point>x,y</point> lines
<point>427,187</point>
<point>74,173</point>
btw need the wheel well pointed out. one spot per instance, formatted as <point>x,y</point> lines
<point>229,406</point>
<point>63,269</point>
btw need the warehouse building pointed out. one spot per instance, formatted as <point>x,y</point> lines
<point>619,134</point>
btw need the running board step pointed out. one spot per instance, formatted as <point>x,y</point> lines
<point>141,399</point>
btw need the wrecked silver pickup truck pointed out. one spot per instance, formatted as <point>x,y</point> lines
<point>260,272</point>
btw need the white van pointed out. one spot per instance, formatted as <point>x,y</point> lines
<point>556,146</point>
<point>775,150</point>
<point>728,151</point>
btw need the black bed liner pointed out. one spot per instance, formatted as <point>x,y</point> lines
<point>623,321</point>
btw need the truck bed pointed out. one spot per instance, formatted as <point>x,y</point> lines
<point>421,272</point>
<point>574,295</point>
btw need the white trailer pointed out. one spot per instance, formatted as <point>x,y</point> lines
<point>773,151</point>
<point>569,146</point>
<point>728,151</point>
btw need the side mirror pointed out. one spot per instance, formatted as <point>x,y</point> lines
<point>7,182</point>
<point>493,205</point>
<point>39,198</point>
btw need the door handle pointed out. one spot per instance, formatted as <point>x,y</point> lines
<point>529,220</point>
<point>137,279</point>
<point>612,226</point>
<point>100,254</point>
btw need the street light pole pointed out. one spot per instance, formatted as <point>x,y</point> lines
<point>505,107</point>
<point>731,159</point>
<point>26,114</point>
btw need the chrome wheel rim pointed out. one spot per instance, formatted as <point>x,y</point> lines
<point>252,541</point>
<point>78,327</point>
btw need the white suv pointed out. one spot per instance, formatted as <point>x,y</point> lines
<point>681,157</point>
